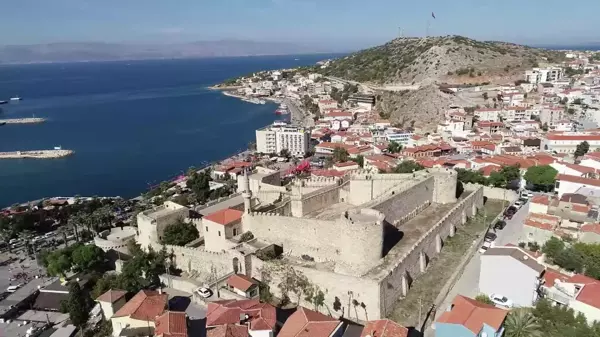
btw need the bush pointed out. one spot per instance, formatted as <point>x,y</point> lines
<point>483,298</point>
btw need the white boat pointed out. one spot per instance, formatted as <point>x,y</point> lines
<point>262,101</point>
<point>16,98</point>
<point>283,106</point>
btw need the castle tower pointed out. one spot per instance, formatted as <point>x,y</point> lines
<point>247,194</point>
<point>445,182</point>
<point>361,240</point>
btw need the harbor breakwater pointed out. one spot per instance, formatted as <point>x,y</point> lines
<point>23,120</point>
<point>36,154</point>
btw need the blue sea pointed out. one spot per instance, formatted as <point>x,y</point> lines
<point>131,124</point>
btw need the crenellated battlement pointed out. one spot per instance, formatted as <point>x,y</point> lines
<point>316,182</point>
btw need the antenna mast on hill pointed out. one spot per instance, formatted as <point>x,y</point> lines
<point>400,32</point>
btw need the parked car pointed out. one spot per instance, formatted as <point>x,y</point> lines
<point>510,211</point>
<point>518,204</point>
<point>485,246</point>
<point>14,288</point>
<point>500,300</point>
<point>489,237</point>
<point>204,292</point>
<point>500,224</point>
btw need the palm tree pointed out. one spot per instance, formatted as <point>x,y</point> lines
<point>522,323</point>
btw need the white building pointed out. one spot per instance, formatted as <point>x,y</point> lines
<point>279,136</point>
<point>577,292</point>
<point>570,184</point>
<point>552,114</point>
<point>566,142</point>
<point>525,273</point>
<point>539,75</point>
<point>488,114</point>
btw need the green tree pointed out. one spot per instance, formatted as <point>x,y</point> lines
<point>582,149</point>
<point>319,299</point>
<point>496,179</point>
<point>545,127</point>
<point>180,233</point>
<point>394,147</point>
<point>522,323</point>
<point>570,259</point>
<point>510,173</point>
<point>285,153</point>
<point>470,176</point>
<point>360,160</point>
<point>553,247</point>
<point>77,305</point>
<point>87,257</point>
<point>485,96</point>
<point>408,166</point>
<point>543,175</point>
<point>483,298</point>
<point>104,284</point>
<point>340,155</point>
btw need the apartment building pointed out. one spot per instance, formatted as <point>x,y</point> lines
<point>539,75</point>
<point>552,114</point>
<point>279,136</point>
<point>566,142</point>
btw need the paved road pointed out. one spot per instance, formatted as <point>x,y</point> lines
<point>468,284</point>
<point>298,116</point>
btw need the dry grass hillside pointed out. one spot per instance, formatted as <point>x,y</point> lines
<point>447,59</point>
<point>431,61</point>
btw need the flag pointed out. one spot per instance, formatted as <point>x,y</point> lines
<point>432,15</point>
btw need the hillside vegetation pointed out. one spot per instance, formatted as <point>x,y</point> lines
<point>439,59</point>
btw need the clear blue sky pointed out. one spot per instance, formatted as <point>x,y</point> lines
<point>342,22</point>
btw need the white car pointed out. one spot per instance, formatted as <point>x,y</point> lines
<point>14,288</point>
<point>518,204</point>
<point>485,246</point>
<point>500,300</point>
<point>204,292</point>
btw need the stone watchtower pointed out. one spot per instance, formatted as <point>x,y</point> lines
<point>361,236</point>
<point>445,181</point>
<point>247,194</point>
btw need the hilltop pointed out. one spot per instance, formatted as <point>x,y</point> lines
<point>446,59</point>
<point>427,62</point>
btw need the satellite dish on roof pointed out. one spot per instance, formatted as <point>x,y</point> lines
<point>525,257</point>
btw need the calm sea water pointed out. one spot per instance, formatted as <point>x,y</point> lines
<point>132,124</point>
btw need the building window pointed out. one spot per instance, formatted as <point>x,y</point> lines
<point>219,233</point>
<point>235,231</point>
<point>206,229</point>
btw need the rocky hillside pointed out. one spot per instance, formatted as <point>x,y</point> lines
<point>447,59</point>
<point>423,108</point>
<point>427,62</point>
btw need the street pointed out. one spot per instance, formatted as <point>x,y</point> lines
<point>468,283</point>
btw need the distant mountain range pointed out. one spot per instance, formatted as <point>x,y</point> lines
<point>98,51</point>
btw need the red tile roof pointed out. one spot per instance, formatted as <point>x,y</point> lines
<point>241,282</point>
<point>384,328</point>
<point>539,225</point>
<point>473,314</point>
<point>328,173</point>
<point>575,137</point>
<point>578,180</point>
<point>308,323</point>
<point>553,219</point>
<point>345,164</point>
<point>111,296</point>
<point>487,170</point>
<point>171,324</point>
<point>145,305</point>
<point>551,275</point>
<point>541,199</point>
<point>225,216</point>
<point>228,330</point>
<point>580,208</point>
<point>262,315</point>
<point>590,293</point>
<point>591,228</point>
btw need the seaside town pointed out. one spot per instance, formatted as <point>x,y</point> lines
<point>337,221</point>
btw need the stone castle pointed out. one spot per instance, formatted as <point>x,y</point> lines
<point>361,239</point>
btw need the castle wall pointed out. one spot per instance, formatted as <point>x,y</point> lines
<point>315,201</point>
<point>345,288</point>
<point>203,264</point>
<point>495,192</point>
<point>395,277</point>
<point>365,187</point>
<point>400,204</point>
<point>316,238</point>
